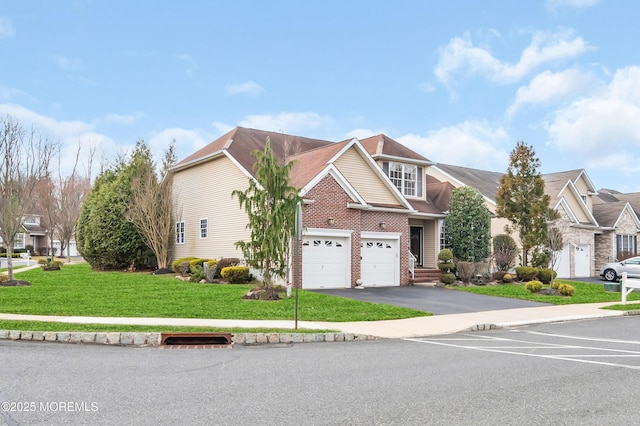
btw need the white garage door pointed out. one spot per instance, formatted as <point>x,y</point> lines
<point>325,262</point>
<point>379,262</point>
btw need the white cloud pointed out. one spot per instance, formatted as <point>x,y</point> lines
<point>469,144</point>
<point>187,142</point>
<point>68,64</point>
<point>555,4</point>
<point>122,118</point>
<point>549,87</point>
<point>461,56</point>
<point>303,123</point>
<point>6,29</point>
<point>364,133</point>
<point>246,88</point>
<point>426,87</point>
<point>604,129</point>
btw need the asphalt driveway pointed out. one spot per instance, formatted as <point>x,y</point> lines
<point>439,301</point>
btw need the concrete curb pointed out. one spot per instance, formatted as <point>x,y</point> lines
<point>153,339</point>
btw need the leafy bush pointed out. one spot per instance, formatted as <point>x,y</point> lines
<point>526,273</point>
<point>566,289</point>
<point>182,268</point>
<point>177,262</point>
<point>445,255</point>
<point>224,262</point>
<point>197,273</point>
<point>533,286</point>
<point>465,271</point>
<point>447,278</point>
<point>507,278</point>
<point>235,274</point>
<point>555,284</point>
<point>4,278</point>
<point>50,265</point>
<point>541,258</point>
<point>505,251</point>
<point>445,261</point>
<point>546,275</point>
<point>197,262</point>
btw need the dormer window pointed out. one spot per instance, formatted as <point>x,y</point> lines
<point>404,177</point>
<point>32,220</point>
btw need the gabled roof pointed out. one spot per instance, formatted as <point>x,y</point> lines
<point>241,143</point>
<point>484,181</point>
<point>555,183</point>
<point>608,214</point>
<point>383,147</point>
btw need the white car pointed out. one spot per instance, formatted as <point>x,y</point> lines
<point>613,271</point>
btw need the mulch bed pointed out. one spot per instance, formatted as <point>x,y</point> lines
<point>15,283</point>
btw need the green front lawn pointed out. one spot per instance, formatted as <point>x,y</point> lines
<point>585,293</point>
<point>123,328</point>
<point>77,290</point>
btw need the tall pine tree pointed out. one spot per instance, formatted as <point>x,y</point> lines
<point>522,200</point>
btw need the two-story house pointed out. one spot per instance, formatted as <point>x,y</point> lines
<point>366,206</point>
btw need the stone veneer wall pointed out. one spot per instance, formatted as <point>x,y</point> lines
<point>330,201</point>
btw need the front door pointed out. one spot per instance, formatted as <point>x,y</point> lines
<point>415,237</point>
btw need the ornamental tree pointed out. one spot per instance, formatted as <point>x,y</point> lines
<point>270,203</point>
<point>468,225</point>
<point>522,200</point>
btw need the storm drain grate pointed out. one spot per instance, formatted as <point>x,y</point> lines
<point>195,340</point>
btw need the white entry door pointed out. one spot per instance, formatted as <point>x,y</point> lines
<point>582,260</point>
<point>325,262</point>
<point>380,263</point>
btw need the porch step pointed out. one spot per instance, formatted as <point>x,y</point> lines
<point>426,275</point>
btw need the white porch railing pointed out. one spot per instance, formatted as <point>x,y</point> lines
<point>412,264</point>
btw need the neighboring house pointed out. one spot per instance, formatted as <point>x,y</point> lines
<point>365,205</point>
<point>571,194</point>
<point>617,213</point>
<point>33,236</point>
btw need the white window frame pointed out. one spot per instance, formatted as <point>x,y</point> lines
<point>32,220</point>
<point>404,177</point>
<point>443,235</point>
<point>20,241</point>
<point>204,230</point>
<point>180,232</point>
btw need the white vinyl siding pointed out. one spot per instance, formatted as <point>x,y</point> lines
<point>364,180</point>
<point>204,191</point>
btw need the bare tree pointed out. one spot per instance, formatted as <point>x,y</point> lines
<point>45,203</point>
<point>71,191</point>
<point>26,156</point>
<point>151,206</point>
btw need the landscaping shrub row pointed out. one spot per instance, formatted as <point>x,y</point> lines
<point>210,270</point>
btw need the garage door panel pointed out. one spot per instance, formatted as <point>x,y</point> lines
<point>379,265</point>
<point>324,262</point>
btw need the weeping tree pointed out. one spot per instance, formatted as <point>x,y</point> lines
<point>270,203</point>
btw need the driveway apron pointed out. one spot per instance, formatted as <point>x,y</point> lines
<point>439,301</point>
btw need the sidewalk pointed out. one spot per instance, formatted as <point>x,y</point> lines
<point>392,329</point>
<point>402,328</point>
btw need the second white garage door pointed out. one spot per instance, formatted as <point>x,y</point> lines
<point>325,262</point>
<point>379,262</point>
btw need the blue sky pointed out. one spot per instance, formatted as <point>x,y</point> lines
<point>460,82</point>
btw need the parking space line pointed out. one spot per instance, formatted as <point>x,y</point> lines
<point>565,336</point>
<point>442,342</point>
